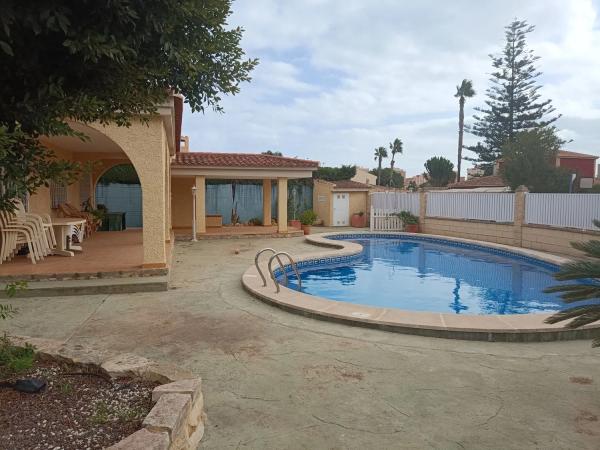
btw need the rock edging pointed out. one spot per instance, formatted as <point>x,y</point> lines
<point>175,422</point>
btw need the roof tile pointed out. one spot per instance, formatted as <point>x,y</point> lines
<point>475,182</point>
<point>213,159</point>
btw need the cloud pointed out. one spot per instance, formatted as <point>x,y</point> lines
<point>339,78</point>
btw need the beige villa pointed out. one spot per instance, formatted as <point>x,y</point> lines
<point>167,171</point>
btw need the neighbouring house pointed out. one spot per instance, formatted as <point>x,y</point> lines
<point>336,201</point>
<point>475,171</point>
<point>364,176</point>
<point>582,164</point>
<point>418,179</point>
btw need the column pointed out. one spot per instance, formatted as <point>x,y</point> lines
<point>282,196</point>
<point>519,214</point>
<point>267,203</point>
<point>201,204</point>
<point>422,210</point>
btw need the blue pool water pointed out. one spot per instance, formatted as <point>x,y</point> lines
<point>433,275</point>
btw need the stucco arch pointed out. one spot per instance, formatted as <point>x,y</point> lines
<point>146,147</point>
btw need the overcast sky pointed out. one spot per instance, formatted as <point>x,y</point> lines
<point>338,78</point>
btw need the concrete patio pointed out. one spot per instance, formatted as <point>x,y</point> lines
<point>276,380</point>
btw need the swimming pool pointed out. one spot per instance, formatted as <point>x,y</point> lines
<point>425,274</point>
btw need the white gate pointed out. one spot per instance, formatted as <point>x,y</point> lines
<point>341,209</point>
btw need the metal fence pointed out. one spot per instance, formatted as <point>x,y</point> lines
<point>563,210</point>
<point>492,206</point>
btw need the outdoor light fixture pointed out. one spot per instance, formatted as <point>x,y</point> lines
<point>194,190</point>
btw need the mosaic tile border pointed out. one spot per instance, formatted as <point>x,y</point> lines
<point>413,237</point>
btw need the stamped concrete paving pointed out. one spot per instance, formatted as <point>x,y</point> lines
<point>274,380</point>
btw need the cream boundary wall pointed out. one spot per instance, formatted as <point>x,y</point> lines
<point>543,238</point>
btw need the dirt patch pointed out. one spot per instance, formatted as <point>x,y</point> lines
<point>326,373</point>
<point>76,410</point>
<point>581,380</point>
<point>587,423</point>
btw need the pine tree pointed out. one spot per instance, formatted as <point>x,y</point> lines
<point>513,102</point>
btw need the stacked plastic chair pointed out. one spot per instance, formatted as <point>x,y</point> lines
<point>19,228</point>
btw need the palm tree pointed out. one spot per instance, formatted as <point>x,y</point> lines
<point>588,270</point>
<point>395,147</point>
<point>464,91</point>
<point>380,153</point>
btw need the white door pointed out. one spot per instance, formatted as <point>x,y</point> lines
<point>341,209</point>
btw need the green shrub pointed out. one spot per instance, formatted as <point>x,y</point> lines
<point>308,217</point>
<point>13,359</point>
<point>255,221</point>
<point>408,218</point>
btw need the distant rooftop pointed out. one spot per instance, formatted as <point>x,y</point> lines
<point>568,154</point>
<point>478,182</point>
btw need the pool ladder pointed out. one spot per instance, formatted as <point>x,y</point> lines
<point>276,256</point>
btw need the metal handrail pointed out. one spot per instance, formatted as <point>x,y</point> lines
<point>264,280</point>
<point>292,263</point>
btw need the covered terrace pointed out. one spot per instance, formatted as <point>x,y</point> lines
<point>190,172</point>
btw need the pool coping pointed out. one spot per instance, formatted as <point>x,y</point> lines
<point>503,328</point>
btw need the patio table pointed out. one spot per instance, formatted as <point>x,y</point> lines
<point>62,229</point>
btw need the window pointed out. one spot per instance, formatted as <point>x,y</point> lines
<point>58,194</point>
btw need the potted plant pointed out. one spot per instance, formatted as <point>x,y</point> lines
<point>293,212</point>
<point>409,221</point>
<point>307,219</point>
<point>358,220</point>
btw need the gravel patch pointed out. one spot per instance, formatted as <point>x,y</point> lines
<point>77,410</point>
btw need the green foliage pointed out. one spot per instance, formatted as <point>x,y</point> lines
<point>272,153</point>
<point>123,174</point>
<point>13,359</point>
<point>585,269</point>
<point>380,154</point>
<point>26,165</point>
<point>408,218</point>
<point>7,311</point>
<point>412,186</point>
<point>335,173</point>
<point>308,217</point>
<point>439,171</point>
<point>255,221</point>
<point>104,61</point>
<point>384,178</point>
<point>395,148</point>
<point>529,160</point>
<point>513,101</point>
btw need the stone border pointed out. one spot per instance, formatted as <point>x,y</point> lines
<point>175,422</point>
<point>126,273</point>
<point>503,328</point>
<point>214,237</point>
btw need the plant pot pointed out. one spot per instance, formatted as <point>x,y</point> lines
<point>306,229</point>
<point>295,223</point>
<point>411,228</point>
<point>358,221</point>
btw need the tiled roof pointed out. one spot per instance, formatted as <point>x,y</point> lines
<point>568,154</point>
<point>476,182</point>
<point>349,184</point>
<point>250,160</point>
